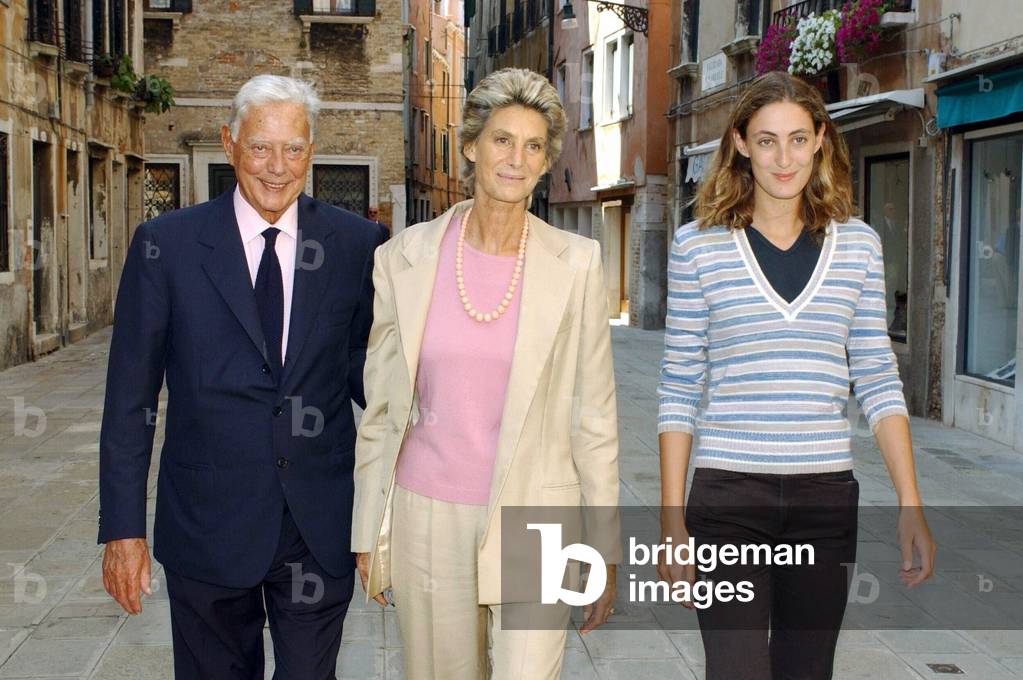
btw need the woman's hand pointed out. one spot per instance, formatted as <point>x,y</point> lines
<point>597,614</point>
<point>915,535</point>
<point>362,562</point>
<point>673,530</point>
<point>896,444</point>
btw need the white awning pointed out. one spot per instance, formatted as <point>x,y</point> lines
<point>620,183</point>
<point>852,114</point>
<point>700,149</point>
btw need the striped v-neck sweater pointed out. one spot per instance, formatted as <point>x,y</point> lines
<point>777,374</point>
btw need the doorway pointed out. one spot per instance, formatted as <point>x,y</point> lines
<point>221,179</point>
<point>42,237</point>
<point>118,225</point>
<point>612,256</point>
<point>617,260</point>
<point>887,203</point>
<point>625,269</point>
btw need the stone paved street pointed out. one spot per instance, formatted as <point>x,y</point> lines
<point>57,622</point>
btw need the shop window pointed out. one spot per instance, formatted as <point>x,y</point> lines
<point>992,266</point>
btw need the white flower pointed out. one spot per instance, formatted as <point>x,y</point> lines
<point>814,45</point>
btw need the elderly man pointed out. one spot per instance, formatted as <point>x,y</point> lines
<point>256,306</point>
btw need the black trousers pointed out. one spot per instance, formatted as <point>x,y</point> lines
<point>218,631</point>
<point>790,628</point>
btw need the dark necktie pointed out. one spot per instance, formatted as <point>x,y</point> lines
<point>270,298</point>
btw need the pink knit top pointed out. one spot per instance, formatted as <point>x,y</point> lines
<point>462,379</point>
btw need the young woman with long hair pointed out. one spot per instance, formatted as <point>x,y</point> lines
<point>776,305</point>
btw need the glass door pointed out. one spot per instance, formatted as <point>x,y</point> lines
<point>887,202</point>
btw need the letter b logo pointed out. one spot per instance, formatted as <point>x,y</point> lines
<point>553,560</point>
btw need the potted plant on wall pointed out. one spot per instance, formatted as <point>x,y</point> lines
<point>861,32</point>
<point>773,51</point>
<point>155,93</point>
<point>103,65</point>
<point>118,68</point>
<point>123,78</point>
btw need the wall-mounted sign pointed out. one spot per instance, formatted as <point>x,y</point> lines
<point>712,71</point>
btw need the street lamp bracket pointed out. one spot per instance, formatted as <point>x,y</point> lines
<point>635,18</point>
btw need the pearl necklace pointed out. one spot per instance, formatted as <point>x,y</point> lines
<point>516,275</point>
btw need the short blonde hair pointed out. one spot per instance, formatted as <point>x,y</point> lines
<point>508,87</point>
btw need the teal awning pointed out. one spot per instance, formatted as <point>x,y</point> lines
<point>980,97</point>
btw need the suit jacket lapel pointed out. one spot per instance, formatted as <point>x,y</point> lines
<point>546,287</point>
<point>413,287</point>
<point>228,269</point>
<point>311,274</point>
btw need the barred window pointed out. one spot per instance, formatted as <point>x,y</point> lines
<point>346,186</point>
<point>162,188</point>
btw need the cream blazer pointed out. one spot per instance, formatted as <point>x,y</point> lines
<point>558,442</point>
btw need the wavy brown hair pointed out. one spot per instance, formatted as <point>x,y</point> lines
<point>726,195</point>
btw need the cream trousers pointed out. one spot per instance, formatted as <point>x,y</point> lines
<point>443,627</point>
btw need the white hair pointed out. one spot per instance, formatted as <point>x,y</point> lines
<point>266,89</point>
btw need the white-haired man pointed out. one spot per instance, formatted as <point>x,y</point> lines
<point>256,306</point>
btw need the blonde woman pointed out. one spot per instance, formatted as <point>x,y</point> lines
<point>489,371</point>
<point>777,296</point>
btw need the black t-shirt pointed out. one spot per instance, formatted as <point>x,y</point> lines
<point>788,271</point>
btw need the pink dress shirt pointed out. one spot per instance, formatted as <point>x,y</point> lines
<point>462,379</point>
<point>251,227</point>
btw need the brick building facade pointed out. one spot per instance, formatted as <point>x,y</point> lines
<point>351,50</point>
<point>436,47</point>
<point>71,150</point>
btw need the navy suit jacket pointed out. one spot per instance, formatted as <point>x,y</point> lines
<point>240,441</point>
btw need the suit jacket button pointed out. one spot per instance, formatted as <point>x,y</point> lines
<point>282,462</point>
<point>266,369</point>
<point>278,410</point>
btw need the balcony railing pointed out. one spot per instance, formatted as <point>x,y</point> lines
<point>337,8</point>
<point>183,6</point>
<point>793,13</point>
<point>518,22</point>
<point>492,42</point>
<point>42,21</point>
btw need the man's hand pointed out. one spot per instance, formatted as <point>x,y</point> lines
<point>362,562</point>
<point>127,569</point>
<point>598,613</point>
